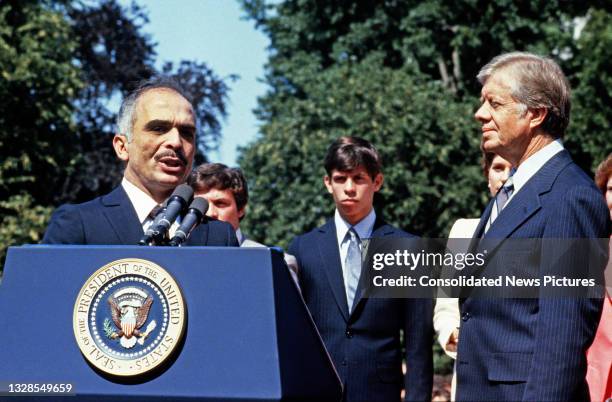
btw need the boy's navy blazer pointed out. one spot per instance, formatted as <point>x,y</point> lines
<point>534,349</point>
<point>365,343</point>
<point>111,219</point>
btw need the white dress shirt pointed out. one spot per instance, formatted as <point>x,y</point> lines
<point>527,170</point>
<point>241,237</point>
<point>142,202</point>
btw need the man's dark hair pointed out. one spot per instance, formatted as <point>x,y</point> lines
<point>218,176</point>
<point>348,153</point>
<point>127,116</point>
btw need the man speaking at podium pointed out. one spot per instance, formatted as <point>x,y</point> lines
<point>156,140</point>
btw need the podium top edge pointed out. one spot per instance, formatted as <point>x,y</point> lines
<point>126,247</point>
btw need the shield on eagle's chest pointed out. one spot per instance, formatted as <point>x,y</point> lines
<point>128,323</point>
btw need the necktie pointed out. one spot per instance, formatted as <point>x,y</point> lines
<point>503,195</point>
<point>352,265</point>
<point>146,224</point>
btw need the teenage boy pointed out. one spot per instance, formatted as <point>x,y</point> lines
<point>362,335</point>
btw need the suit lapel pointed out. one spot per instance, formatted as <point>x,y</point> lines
<point>330,258</point>
<point>519,209</point>
<point>482,224</point>
<point>527,201</point>
<point>381,229</point>
<point>121,215</point>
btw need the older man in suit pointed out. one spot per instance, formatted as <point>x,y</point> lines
<point>362,335</point>
<point>156,141</point>
<point>530,349</point>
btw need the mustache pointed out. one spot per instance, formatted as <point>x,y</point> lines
<point>172,154</point>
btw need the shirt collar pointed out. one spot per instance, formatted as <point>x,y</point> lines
<point>241,238</point>
<point>142,202</point>
<point>363,228</point>
<point>528,168</point>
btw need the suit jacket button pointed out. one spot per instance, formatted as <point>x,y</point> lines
<point>466,316</point>
<point>343,362</point>
<point>349,333</point>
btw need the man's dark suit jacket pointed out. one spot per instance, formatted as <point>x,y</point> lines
<point>112,219</point>
<point>534,349</point>
<point>365,344</point>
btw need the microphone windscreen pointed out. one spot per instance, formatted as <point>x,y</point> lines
<point>199,203</point>
<point>184,191</point>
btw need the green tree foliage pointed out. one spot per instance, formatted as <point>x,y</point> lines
<point>402,74</point>
<point>411,122</point>
<point>590,131</point>
<point>37,85</point>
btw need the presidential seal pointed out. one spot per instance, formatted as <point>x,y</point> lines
<point>129,317</point>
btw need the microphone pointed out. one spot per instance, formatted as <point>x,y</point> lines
<point>194,216</point>
<point>177,202</point>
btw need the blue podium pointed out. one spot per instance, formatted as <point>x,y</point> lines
<point>247,334</point>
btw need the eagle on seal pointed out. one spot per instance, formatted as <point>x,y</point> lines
<point>129,319</point>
